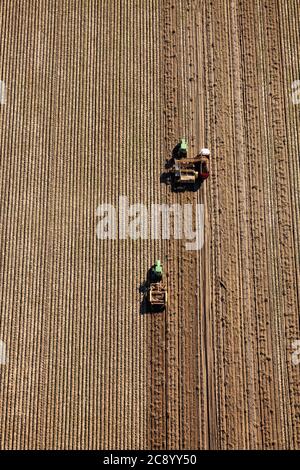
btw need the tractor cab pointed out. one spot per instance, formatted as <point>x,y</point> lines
<point>156,271</point>
<point>183,148</point>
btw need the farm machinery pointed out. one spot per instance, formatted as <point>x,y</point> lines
<point>156,292</point>
<point>187,172</point>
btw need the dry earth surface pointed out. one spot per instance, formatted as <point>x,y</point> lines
<point>97,95</point>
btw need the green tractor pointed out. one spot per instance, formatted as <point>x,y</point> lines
<point>156,271</point>
<point>157,292</point>
<point>182,148</point>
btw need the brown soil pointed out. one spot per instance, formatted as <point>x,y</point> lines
<point>97,95</point>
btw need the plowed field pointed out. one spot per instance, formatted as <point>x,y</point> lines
<point>94,96</point>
